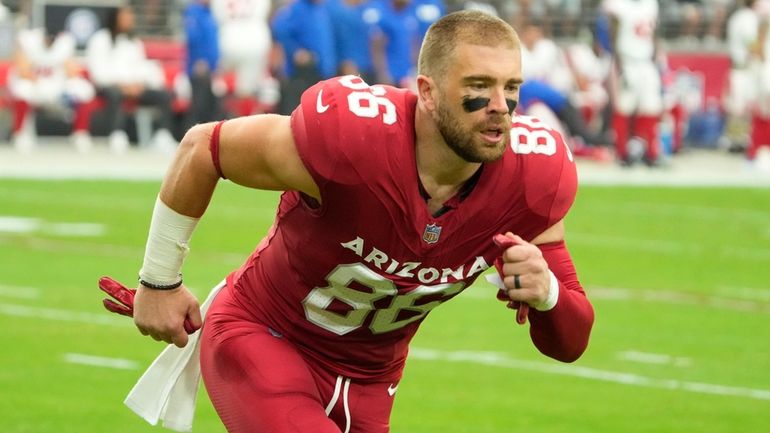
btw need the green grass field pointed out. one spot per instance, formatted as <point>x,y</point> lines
<point>680,280</point>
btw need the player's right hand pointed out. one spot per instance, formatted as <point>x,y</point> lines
<point>161,314</point>
<point>160,330</point>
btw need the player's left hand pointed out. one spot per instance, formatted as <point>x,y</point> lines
<point>524,270</point>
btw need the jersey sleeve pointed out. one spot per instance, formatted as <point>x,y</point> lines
<point>548,169</point>
<point>563,332</point>
<point>313,131</point>
<point>342,129</point>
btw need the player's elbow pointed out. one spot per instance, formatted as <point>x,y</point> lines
<point>195,138</point>
<point>567,352</point>
<point>193,151</point>
<point>569,340</point>
<point>573,353</point>
<point>579,342</point>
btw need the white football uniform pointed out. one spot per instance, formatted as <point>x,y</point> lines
<point>51,84</point>
<point>593,71</point>
<point>742,34</point>
<point>546,62</point>
<point>639,89</point>
<point>244,40</point>
<point>763,10</point>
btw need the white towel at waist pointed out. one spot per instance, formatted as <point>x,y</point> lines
<point>167,390</point>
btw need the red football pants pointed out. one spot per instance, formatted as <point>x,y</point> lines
<point>260,383</point>
<point>760,135</point>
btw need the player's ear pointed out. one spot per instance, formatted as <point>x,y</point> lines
<point>427,91</point>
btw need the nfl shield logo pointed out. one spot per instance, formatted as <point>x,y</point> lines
<point>431,233</point>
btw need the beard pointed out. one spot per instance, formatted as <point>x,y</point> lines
<point>463,140</point>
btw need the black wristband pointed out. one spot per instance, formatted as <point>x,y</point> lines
<point>160,287</point>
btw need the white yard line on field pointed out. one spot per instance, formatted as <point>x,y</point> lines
<point>496,359</point>
<point>75,229</point>
<point>750,293</point>
<point>63,315</point>
<point>678,210</point>
<point>668,246</point>
<point>102,249</point>
<point>658,246</point>
<point>100,361</point>
<point>679,298</point>
<point>70,246</point>
<point>654,358</point>
<point>19,292</point>
<point>485,358</point>
<point>14,224</point>
<point>25,225</point>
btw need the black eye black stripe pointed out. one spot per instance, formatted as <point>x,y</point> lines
<point>475,104</point>
<point>511,105</point>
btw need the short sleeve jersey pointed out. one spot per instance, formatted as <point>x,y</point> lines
<point>349,280</point>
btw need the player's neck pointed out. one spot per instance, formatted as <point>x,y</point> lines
<point>442,172</point>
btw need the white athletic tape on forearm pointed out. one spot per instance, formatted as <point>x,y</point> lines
<point>167,246</point>
<point>553,295</point>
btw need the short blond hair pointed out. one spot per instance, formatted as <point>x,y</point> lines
<point>472,27</point>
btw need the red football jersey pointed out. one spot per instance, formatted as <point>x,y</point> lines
<point>350,280</point>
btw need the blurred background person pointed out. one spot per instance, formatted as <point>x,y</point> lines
<point>304,34</point>
<point>395,43</point>
<point>745,59</point>
<point>7,44</point>
<point>541,57</point>
<point>45,75</point>
<point>635,81</point>
<point>553,81</point>
<point>352,23</point>
<point>398,36</point>
<point>428,12</point>
<point>760,121</point>
<point>119,67</point>
<point>202,43</point>
<point>590,69</point>
<point>245,44</point>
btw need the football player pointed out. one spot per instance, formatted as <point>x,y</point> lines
<point>394,203</point>
<point>635,82</point>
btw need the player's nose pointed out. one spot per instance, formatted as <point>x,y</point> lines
<point>497,102</point>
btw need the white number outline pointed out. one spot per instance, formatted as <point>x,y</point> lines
<point>386,319</point>
<point>525,140</point>
<point>374,96</point>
